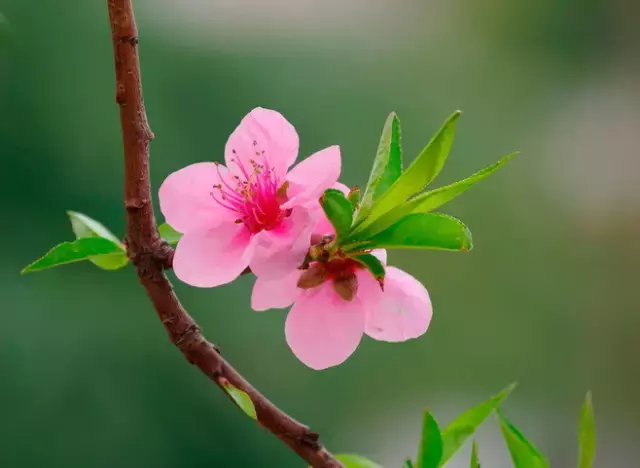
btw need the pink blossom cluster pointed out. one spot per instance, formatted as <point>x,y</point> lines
<point>259,212</point>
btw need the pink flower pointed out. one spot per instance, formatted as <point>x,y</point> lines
<point>323,329</point>
<point>253,211</point>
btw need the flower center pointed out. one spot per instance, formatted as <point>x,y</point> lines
<point>256,195</point>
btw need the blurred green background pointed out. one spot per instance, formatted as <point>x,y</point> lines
<point>548,297</point>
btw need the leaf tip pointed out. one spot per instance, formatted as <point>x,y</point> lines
<point>456,114</point>
<point>504,394</point>
<point>510,156</point>
<point>467,241</point>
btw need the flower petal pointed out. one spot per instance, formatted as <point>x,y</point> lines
<point>403,311</point>
<point>275,293</point>
<point>311,177</point>
<point>323,226</point>
<point>186,201</point>
<point>211,258</point>
<point>283,249</point>
<point>265,137</point>
<point>322,329</point>
<point>343,188</point>
<point>381,254</point>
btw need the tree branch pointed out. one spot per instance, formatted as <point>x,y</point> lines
<point>150,254</point>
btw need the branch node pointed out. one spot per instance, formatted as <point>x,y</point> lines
<point>188,337</point>
<point>132,40</point>
<point>121,95</point>
<point>133,204</point>
<point>311,439</point>
<point>163,254</point>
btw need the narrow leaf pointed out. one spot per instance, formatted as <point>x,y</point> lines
<point>240,398</point>
<point>464,426</point>
<point>356,461</point>
<point>430,450</point>
<point>169,234</point>
<point>373,264</point>
<point>433,199</point>
<point>339,211</point>
<point>424,231</point>
<point>407,463</point>
<point>78,250</point>
<point>417,176</point>
<point>475,462</point>
<point>523,453</point>
<point>587,434</point>
<point>387,166</point>
<point>84,226</point>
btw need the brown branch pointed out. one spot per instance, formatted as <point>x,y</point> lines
<point>150,254</point>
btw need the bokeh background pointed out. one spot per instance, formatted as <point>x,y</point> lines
<point>548,297</point>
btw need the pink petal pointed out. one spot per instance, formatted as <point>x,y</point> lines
<point>275,293</point>
<point>283,249</point>
<point>343,188</point>
<point>381,254</point>
<point>311,177</point>
<point>186,201</point>
<point>322,329</point>
<point>403,311</point>
<point>264,136</point>
<point>210,258</point>
<point>323,226</point>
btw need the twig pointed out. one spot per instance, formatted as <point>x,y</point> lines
<point>150,254</point>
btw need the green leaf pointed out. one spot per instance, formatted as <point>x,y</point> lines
<point>430,450</point>
<point>464,426</point>
<point>339,211</point>
<point>587,434</point>
<point>407,463</point>
<point>417,176</point>
<point>78,250</point>
<point>169,234</point>
<point>387,166</point>
<point>83,226</point>
<point>433,199</point>
<point>356,461</point>
<point>240,398</point>
<point>474,463</point>
<point>423,231</point>
<point>373,264</point>
<point>354,197</point>
<point>523,453</point>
